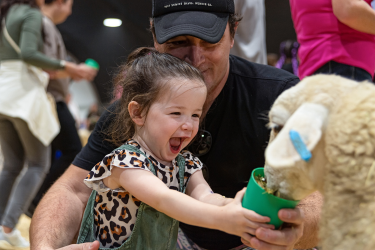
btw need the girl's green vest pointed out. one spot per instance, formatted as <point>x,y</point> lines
<point>152,230</point>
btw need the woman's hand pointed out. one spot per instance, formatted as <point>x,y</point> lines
<point>58,74</point>
<point>80,71</point>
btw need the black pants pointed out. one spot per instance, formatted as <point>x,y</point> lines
<point>68,143</point>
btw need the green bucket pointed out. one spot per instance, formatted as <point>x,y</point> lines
<point>257,200</point>
<point>92,63</point>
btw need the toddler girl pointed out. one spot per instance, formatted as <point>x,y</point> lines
<point>138,189</point>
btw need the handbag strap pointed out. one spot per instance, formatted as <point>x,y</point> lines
<point>9,39</point>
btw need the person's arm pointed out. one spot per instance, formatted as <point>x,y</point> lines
<point>199,189</point>
<point>53,47</point>
<point>76,72</point>
<point>357,14</point>
<point>231,218</point>
<point>301,230</point>
<point>29,42</point>
<point>57,218</point>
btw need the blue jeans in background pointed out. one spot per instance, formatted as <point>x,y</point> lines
<point>344,70</point>
<point>18,146</point>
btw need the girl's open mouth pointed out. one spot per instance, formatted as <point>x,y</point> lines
<point>175,144</point>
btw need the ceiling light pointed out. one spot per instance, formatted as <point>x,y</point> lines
<point>112,22</point>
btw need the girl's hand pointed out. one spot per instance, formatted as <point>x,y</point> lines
<point>241,221</point>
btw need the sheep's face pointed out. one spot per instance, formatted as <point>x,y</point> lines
<point>285,169</point>
<point>304,109</point>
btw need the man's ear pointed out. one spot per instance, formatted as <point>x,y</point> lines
<point>236,26</point>
<point>309,121</point>
<point>135,113</point>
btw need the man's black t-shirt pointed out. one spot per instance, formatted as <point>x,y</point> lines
<point>237,122</point>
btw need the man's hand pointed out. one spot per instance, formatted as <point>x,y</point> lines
<point>85,246</point>
<point>300,230</point>
<point>284,239</point>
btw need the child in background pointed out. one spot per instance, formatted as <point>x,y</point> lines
<point>288,57</point>
<point>138,189</point>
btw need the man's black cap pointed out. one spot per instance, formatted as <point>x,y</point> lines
<point>205,19</point>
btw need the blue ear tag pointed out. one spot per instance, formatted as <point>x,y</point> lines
<point>299,145</point>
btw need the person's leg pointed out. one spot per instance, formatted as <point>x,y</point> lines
<point>13,155</point>
<point>361,75</point>
<point>344,70</point>
<point>350,72</point>
<point>38,159</point>
<point>325,69</point>
<point>68,142</point>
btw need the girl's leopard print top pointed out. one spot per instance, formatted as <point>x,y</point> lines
<point>115,211</point>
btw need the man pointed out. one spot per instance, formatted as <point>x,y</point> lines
<point>239,93</point>
<point>67,141</point>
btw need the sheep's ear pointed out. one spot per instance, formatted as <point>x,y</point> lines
<point>308,121</point>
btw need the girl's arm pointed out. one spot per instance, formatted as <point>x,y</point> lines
<point>357,14</point>
<point>199,189</point>
<point>231,218</point>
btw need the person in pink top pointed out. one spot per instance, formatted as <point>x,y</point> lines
<point>336,37</point>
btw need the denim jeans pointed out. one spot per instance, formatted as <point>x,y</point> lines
<point>68,142</point>
<point>344,70</point>
<point>18,146</point>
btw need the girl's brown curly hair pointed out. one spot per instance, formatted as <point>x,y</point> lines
<point>143,78</point>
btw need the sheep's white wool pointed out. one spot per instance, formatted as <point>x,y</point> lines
<point>308,120</point>
<point>336,119</point>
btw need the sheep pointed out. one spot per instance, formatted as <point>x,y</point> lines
<point>335,118</point>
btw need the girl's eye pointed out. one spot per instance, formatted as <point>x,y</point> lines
<point>196,115</point>
<point>176,113</point>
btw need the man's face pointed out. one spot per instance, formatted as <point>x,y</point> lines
<point>211,59</point>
